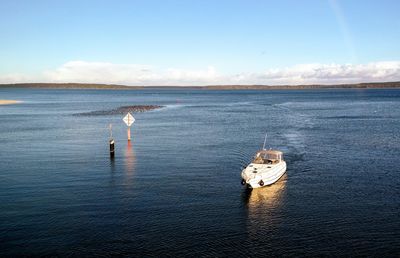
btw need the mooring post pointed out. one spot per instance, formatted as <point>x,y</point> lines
<point>112,148</point>
<point>112,144</point>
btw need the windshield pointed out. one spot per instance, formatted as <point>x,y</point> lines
<point>267,158</point>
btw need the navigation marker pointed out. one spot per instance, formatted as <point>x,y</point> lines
<point>129,120</point>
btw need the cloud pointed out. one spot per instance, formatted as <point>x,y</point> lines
<point>137,74</point>
<point>130,74</point>
<point>100,72</point>
<point>334,73</point>
<point>16,78</point>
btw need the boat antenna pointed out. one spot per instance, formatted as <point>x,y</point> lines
<point>265,141</point>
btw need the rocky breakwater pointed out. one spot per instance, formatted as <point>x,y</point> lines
<point>121,110</point>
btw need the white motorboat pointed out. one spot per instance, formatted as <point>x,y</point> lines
<point>265,169</point>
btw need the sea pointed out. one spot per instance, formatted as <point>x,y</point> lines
<point>175,189</point>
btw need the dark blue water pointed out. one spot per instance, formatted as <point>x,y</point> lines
<point>176,190</point>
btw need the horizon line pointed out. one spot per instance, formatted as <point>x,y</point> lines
<point>378,84</point>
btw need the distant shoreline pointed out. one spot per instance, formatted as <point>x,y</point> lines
<point>371,85</point>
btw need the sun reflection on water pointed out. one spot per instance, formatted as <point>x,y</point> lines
<point>263,206</point>
<point>130,161</point>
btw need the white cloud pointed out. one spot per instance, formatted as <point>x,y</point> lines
<point>334,73</point>
<point>135,74</point>
<point>190,77</point>
<point>16,78</point>
<point>100,72</point>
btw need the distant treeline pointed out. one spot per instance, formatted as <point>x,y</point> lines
<point>66,86</point>
<point>371,85</point>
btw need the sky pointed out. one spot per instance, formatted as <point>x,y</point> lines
<point>203,42</point>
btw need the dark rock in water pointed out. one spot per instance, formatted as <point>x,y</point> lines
<point>121,110</point>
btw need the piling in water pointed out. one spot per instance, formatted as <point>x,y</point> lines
<point>112,148</point>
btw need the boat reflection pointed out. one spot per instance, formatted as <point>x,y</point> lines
<point>263,205</point>
<point>266,197</point>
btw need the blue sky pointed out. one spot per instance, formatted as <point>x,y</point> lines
<point>199,42</point>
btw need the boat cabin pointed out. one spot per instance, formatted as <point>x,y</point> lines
<point>268,157</point>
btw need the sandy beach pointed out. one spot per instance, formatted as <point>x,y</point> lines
<point>9,102</point>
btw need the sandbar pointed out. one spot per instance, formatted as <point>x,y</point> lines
<point>9,101</point>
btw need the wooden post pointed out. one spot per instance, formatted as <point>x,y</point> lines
<point>112,148</point>
<point>112,143</point>
<point>129,133</point>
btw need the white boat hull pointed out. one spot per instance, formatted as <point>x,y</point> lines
<point>259,175</point>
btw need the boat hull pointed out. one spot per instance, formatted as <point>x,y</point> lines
<point>264,175</point>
